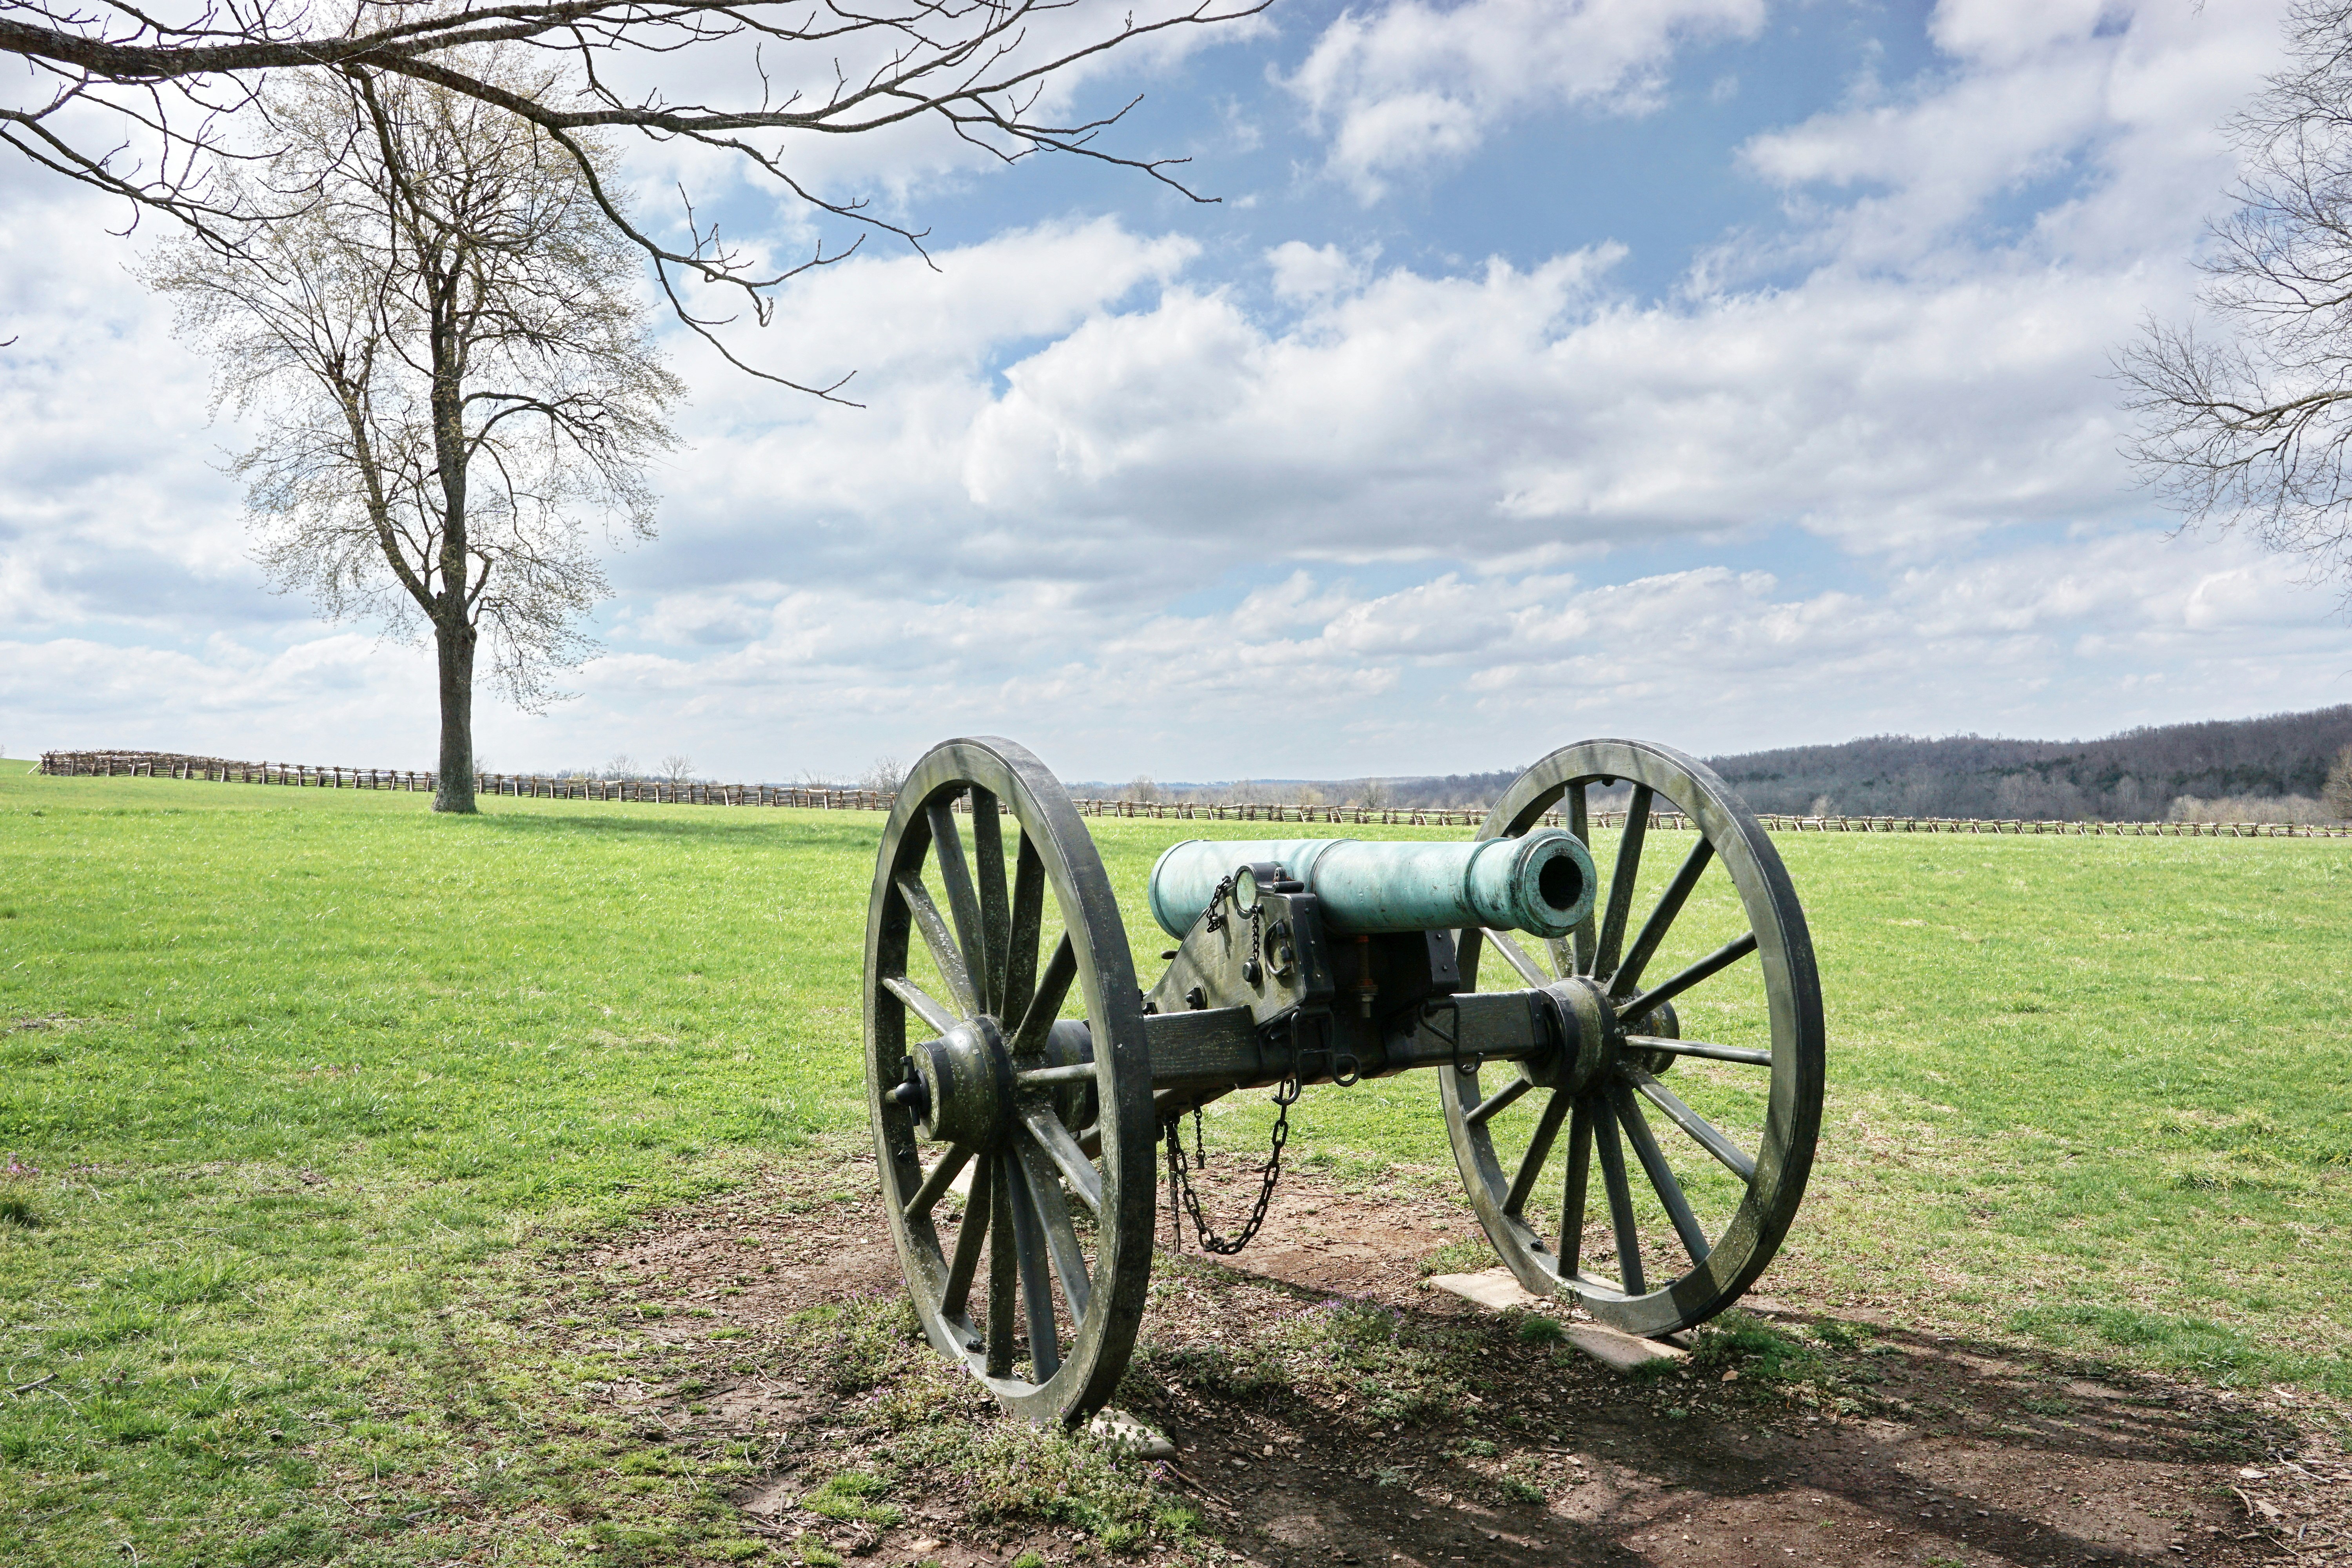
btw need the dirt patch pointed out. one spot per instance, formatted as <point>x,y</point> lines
<point>1331,1407</point>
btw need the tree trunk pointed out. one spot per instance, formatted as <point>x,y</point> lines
<point>453,786</point>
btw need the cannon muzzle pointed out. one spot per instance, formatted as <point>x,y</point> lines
<point>1541,883</point>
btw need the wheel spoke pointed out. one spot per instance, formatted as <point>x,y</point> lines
<point>950,1165</point>
<point>955,876</point>
<point>1562,951</point>
<point>1055,1140</point>
<point>1037,1289</point>
<point>1003,1272</point>
<point>1653,930</point>
<point>1734,1158</point>
<point>1580,823</point>
<point>1620,1203</point>
<point>1052,1212</point>
<point>1046,1005</point>
<point>1497,1100</point>
<point>1053,1078</point>
<point>924,1005</point>
<point>996,922</point>
<point>1025,922</point>
<point>1531,1164</point>
<point>1749,1055</point>
<point>1623,880</point>
<point>1571,1197</point>
<point>1715,963</point>
<point>939,940</point>
<point>1661,1174</point>
<point>1467,944</point>
<point>1515,956</point>
<point>977,1212</point>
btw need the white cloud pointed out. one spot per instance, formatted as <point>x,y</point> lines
<point>1312,675</point>
<point>1481,417</point>
<point>1303,271</point>
<point>2123,100</point>
<point>1102,502</point>
<point>1414,85</point>
<point>328,698</point>
<point>113,506</point>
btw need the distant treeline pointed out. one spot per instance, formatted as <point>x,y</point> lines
<point>2145,774</point>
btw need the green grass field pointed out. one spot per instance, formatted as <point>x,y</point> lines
<point>300,1070</point>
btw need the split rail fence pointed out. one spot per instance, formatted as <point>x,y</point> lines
<point>663,791</point>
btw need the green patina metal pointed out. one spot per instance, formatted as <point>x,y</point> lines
<point>1541,882</point>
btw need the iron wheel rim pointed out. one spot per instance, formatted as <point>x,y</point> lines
<point>1092,1345</point>
<point>1782,1158</point>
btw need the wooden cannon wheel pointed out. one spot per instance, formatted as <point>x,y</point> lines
<point>1040,1285</point>
<point>1716,1210</point>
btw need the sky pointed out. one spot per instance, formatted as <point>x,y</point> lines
<point>1726,373</point>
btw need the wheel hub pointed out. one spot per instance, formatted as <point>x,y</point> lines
<point>959,1085</point>
<point>1592,1039</point>
<point>1662,1023</point>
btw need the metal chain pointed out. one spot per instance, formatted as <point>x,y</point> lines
<point>1285,1095</point>
<point>1217,919</point>
<point>1181,1169</point>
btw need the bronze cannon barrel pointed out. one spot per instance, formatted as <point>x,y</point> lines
<point>1541,882</point>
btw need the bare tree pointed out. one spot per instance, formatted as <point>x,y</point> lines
<point>2249,427</point>
<point>677,768</point>
<point>445,340</point>
<point>2337,795</point>
<point>1140,789</point>
<point>885,774</point>
<point>144,105</point>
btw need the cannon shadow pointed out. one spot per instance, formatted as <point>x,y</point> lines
<point>1835,1440</point>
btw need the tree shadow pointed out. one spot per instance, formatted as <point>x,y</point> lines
<point>749,823</point>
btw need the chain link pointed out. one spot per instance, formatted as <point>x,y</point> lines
<point>1285,1095</point>
<point>1181,1169</point>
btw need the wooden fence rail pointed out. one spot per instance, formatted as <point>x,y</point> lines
<point>222,770</point>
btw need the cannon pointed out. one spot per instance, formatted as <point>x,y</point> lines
<point>1629,1066</point>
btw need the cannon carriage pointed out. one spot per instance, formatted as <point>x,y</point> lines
<point>1021,1082</point>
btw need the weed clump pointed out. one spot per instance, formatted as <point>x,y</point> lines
<point>124,1421</point>
<point>1015,1470</point>
<point>1540,1329</point>
<point>1739,1342</point>
<point>1214,1368</point>
<point>861,1343</point>
<point>182,1284</point>
<point>1458,1257</point>
<point>848,1497</point>
<point>110,1326</point>
<point>1841,1336</point>
<point>932,1390</point>
<point>14,1209</point>
<point>1365,1350</point>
